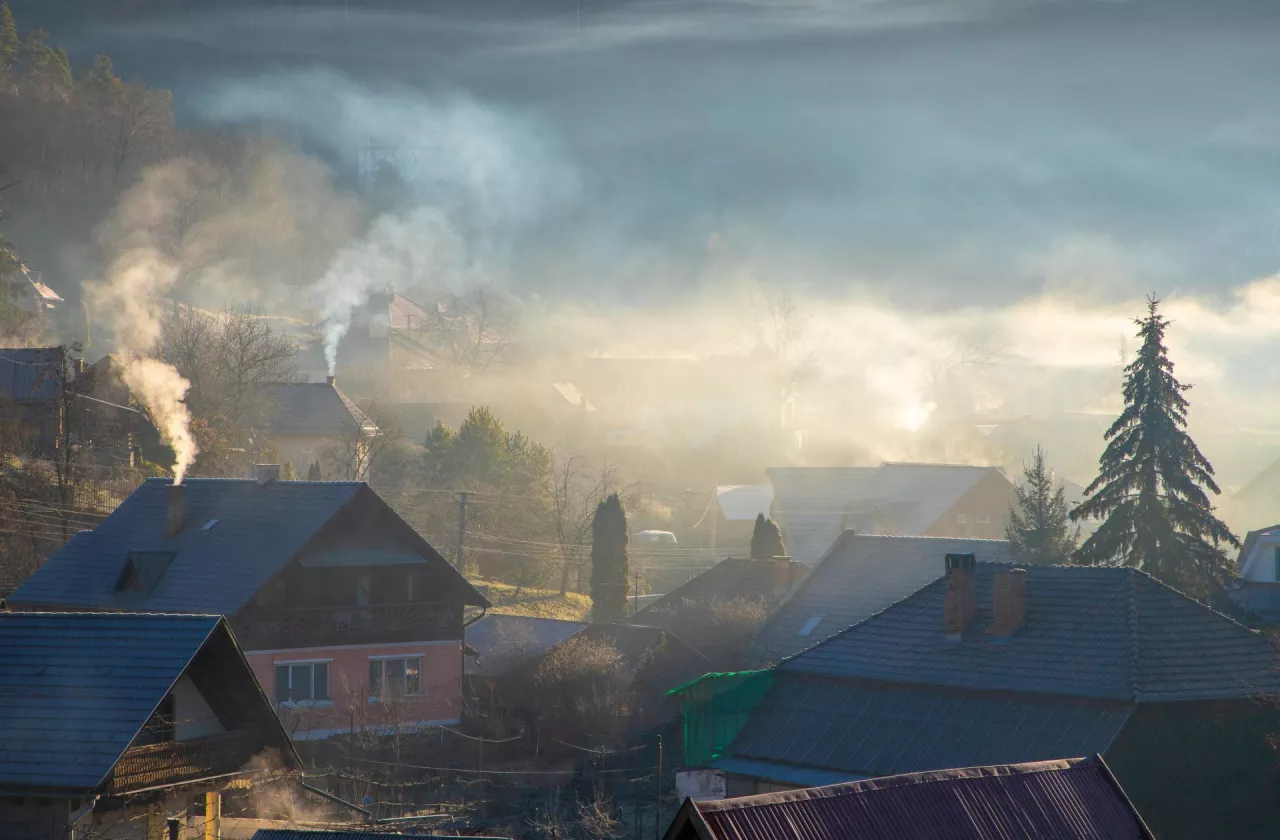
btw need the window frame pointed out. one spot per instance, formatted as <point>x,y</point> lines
<point>311,665</point>
<point>380,661</point>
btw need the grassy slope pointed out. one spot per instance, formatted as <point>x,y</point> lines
<point>541,603</point>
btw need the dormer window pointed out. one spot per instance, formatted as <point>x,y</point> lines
<point>143,570</point>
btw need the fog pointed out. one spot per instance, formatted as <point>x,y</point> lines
<point>924,177</point>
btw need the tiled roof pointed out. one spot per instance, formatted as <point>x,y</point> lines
<point>875,730</point>
<point>1075,799</point>
<point>408,314</point>
<point>30,374</point>
<point>311,408</point>
<point>1261,601</point>
<point>76,688</point>
<point>1089,632</point>
<point>492,636</point>
<point>858,577</point>
<point>216,569</point>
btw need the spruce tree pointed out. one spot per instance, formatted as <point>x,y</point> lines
<point>1150,489</point>
<point>766,540</point>
<point>313,471</point>
<point>9,41</point>
<point>609,566</point>
<point>1038,530</point>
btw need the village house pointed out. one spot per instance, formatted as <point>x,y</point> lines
<point>858,577</point>
<point>813,505</point>
<point>1076,799</point>
<point>31,404</point>
<point>995,665</point>
<point>111,723</point>
<point>348,616</point>
<point>313,422</point>
<point>1256,593</point>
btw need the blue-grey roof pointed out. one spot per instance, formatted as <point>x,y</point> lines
<point>1089,632</point>
<point>876,730</point>
<point>311,408</point>
<point>503,641</point>
<point>858,577</point>
<point>260,528</point>
<point>30,374</point>
<point>75,689</point>
<point>1261,601</point>
<point>784,773</point>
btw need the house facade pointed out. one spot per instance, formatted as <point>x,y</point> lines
<point>112,724</point>
<point>992,664</point>
<point>349,618</point>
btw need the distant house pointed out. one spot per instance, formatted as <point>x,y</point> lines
<point>112,722</point>
<point>997,665</point>
<point>1075,799</point>
<point>813,505</point>
<point>309,422</point>
<point>731,519</point>
<point>340,605</point>
<point>31,405</point>
<point>858,577</point>
<point>498,643</point>
<point>1257,593</point>
<point>721,609</point>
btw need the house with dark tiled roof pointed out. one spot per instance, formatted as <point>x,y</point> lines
<point>721,609</point>
<point>1256,593</point>
<point>339,604</point>
<point>813,505</point>
<point>995,665</point>
<point>313,422</point>
<point>858,576</point>
<point>114,720</point>
<point>1075,799</point>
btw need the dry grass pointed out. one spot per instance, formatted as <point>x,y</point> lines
<point>538,603</point>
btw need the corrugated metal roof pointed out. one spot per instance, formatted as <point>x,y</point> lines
<point>860,576</point>
<point>261,527</point>
<point>815,504</point>
<point>879,730</point>
<point>1064,800</point>
<point>1089,632</point>
<point>503,641</point>
<point>76,688</point>
<point>30,374</point>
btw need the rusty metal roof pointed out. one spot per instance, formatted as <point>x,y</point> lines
<point>1074,799</point>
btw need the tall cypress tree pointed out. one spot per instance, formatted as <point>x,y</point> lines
<point>1150,489</point>
<point>609,566</point>
<point>1038,530</point>
<point>766,540</point>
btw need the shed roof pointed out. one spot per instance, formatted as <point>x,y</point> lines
<point>257,529</point>
<point>30,374</point>
<point>1075,799</point>
<point>859,576</point>
<point>76,688</point>
<point>862,729</point>
<point>817,503</point>
<point>1098,632</point>
<point>312,408</point>
<point>494,636</point>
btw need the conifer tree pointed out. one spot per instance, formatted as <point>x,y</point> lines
<point>609,566</point>
<point>287,472</point>
<point>1038,530</point>
<point>766,539</point>
<point>313,471</point>
<point>9,42</point>
<point>1150,489</point>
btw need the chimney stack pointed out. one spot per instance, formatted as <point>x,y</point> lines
<point>177,509</point>
<point>961,605</point>
<point>781,574</point>
<point>1010,602</point>
<point>266,473</point>
<point>331,381</point>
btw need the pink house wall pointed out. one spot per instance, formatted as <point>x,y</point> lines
<point>439,702</point>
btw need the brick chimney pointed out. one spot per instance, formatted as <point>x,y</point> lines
<point>266,473</point>
<point>331,381</point>
<point>961,605</point>
<point>1010,602</point>
<point>176,509</point>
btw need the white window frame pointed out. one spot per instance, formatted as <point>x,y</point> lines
<point>374,697</point>
<point>982,519</point>
<point>961,519</point>
<point>305,704</point>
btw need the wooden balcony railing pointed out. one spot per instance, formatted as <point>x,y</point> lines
<point>179,762</point>
<point>257,628</point>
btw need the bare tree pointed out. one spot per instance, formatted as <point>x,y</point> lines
<point>139,119</point>
<point>371,430</point>
<point>475,331</point>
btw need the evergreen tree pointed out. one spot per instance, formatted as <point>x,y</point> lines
<point>287,473</point>
<point>766,540</point>
<point>313,472</point>
<point>1150,489</point>
<point>1038,529</point>
<point>609,566</point>
<point>9,41</point>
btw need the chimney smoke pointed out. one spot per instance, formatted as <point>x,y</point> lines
<point>961,603</point>
<point>176,512</point>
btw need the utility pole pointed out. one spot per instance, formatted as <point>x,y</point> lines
<point>635,592</point>
<point>657,813</point>
<point>462,528</point>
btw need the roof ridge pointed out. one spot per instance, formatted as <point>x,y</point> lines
<point>1131,618</point>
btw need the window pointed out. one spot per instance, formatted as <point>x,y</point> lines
<point>302,682</point>
<point>395,676</point>
<point>982,519</point>
<point>961,519</point>
<point>811,625</point>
